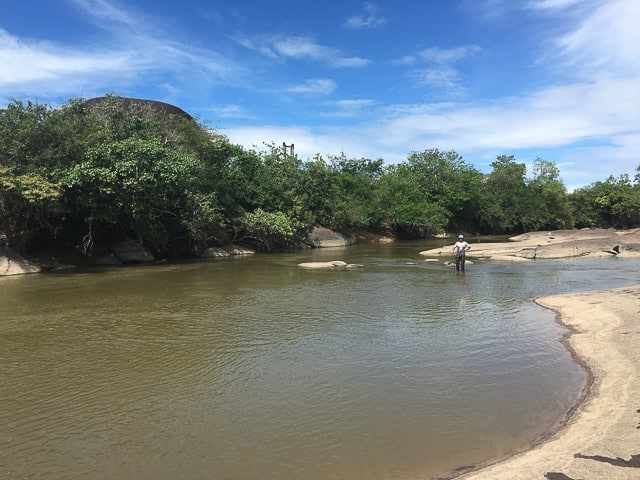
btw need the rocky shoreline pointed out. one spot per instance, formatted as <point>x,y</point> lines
<point>526,247</point>
<point>554,245</point>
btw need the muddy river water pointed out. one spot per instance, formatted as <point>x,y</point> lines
<point>253,368</point>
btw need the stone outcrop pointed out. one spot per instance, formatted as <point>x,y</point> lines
<point>555,245</point>
<point>238,250</point>
<point>161,109</point>
<point>131,252</point>
<point>12,263</point>
<point>321,237</point>
<point>214,252</point>
<point>227,251</point>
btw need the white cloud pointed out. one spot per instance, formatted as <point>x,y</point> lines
<point>441,74</point>
<point>31,62</point>
<point>322,86</point>
<point>133,48</point>
<point>445,78</point>
<point>440,55</point>
<point>231,111</point>
<point>354,104</point>
<point>605,42</point>
<point>368,19</point>
<point>572,120</point>
<point>108,15</point>
<point>299,47</point>
<point>448,55</point>
<point>349,108</point>
<point>553,4</point>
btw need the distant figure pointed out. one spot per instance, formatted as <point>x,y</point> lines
<point>459,249</point>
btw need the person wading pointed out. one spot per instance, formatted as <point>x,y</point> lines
<point>459,249</point>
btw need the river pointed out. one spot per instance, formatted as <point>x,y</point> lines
<point>254,368</point>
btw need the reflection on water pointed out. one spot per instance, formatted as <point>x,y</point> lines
<point>252,368</point>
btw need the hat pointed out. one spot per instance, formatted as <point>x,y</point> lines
<point>460,236</point>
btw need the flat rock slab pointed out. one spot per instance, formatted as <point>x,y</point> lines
<point>332,265</point>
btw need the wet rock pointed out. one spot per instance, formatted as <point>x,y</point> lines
<point>12,263</point>
<point>334,264</point>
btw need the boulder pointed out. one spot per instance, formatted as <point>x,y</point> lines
<point>161,109</point>
<point>12,263</point>
<point>321,237</point>
<point>239,250</point>
<point>334,264</point>
<point>131,252</point>
<point>214,252</point>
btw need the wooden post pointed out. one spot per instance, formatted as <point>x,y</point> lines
<point>288,148</point>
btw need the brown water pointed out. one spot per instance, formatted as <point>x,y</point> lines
<point>252,368</point>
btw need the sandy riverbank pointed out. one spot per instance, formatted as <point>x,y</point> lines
<point>601,440</point>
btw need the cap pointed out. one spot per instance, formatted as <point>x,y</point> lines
<point>460,236</point>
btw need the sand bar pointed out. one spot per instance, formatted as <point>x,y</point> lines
<point>601,439</point>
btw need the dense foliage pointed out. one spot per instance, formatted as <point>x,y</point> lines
<point>86,174</point>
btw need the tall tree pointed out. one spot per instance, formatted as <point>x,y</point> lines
<point>549,206</point>
<point>507,193</point>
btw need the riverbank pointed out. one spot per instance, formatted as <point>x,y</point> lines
<point>601,440</point>
<point>553,245</point>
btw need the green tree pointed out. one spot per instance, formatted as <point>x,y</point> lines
<point>549,206</point>
<point>27,202</point>
<point>320,191</point>
<point>612,203</point>
<point>507,196</point>
<point>133,188</point>
<point>267,230</point>
<point>408,209</point>
<point>432,192</point>
<point>355,201</point>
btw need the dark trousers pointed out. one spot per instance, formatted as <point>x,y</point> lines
<point>459,259</point>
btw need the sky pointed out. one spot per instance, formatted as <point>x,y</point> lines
<point>552,79</point>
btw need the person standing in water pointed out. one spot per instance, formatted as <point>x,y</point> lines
<point>459,249</point>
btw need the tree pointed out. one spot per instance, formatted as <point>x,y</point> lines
<point>612,203</point>
<point>27,203</point>
<point>549,206</point>
<point>266,230</point>
<point>355,202</point>
<point>407,207</point>
<point>507,195</point>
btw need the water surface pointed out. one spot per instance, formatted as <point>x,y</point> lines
<point>250,368</point>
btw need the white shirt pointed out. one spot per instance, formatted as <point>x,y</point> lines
<point>460,246</point>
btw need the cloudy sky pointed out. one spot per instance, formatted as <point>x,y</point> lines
<point>555,79</point>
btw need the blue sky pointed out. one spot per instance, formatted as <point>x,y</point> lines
<point>555,79</point>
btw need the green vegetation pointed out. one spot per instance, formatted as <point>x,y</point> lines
<point>87,174</point>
